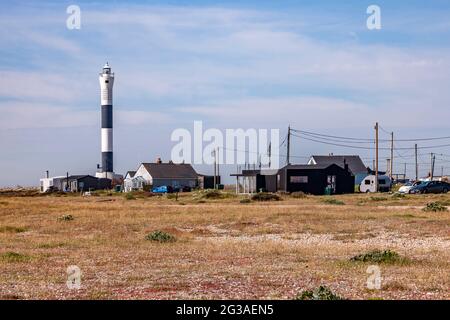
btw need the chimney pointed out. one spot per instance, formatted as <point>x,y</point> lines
<point>345,165</point>
<point>158,160</point>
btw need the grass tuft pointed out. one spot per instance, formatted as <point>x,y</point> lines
<point>320,293</point>
<point>66,217</point>
<point>333,201</point>
<point>11,229</point>
<point>265,196</point>
<point>160,236</point>
<point>11,256</point>
<point>298,195</point>
<point>435,207</point>
<point>378,256</point>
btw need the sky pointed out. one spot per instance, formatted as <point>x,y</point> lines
<point>313,65</point>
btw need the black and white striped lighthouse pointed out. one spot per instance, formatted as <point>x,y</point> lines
<point>106,79</point>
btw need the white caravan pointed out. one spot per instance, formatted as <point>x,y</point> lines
<point>368,184</point>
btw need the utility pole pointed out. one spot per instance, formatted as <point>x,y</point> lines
<point>376,157</point>
<point>218,164</point>
<point>215,173</point>
<point>404,172</point>
<point>392,157</point>
<point>433,157</point>
<point>431,166</point>
<point>270,153</point>
<point>288,145</point>
<point>417,165</point>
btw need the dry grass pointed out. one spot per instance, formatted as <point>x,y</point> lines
<point>224,249</point>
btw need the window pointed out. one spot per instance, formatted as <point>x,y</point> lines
<point>367,182</point>
<point>106,81</point>
<point>381,181</point>
<point>299,179</point>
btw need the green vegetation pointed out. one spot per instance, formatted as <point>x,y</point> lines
<point>11,256</point>
<point>333,201</point>
<point>130,196</point>
<point>265,196</point>
<point>398,195</point>
<point>160,236</point>
<point>435,207</point>
<point>66,217</point>
<point>298,195</point>
<point>211,194</point>
<point>320,293</point>
<point>10,229</point>
<point>378,198</point>
<point>378,256</point>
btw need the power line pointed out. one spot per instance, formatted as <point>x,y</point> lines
<point>371,140</point>
<point>367,148</point>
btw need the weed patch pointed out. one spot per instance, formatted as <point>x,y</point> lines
<point>160,236</point>
<point>378,256</point>
<point>66,217</point>
<point>435,207</point>
<point>14,257</point>
<point>265,196</point>
<point>320,293</point>
<point>333,201</point>
<point>10,229</point>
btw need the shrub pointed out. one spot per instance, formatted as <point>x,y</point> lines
<point>11,229</point>
<point>333,201</point>
<point>210,194</point>
<point>320,293</point>
<point>386,256</point>
<point>298,195</point>
<point>14,257</point>
<point>130,196</point>
<point>66,217</point>
<point>378,198</point>
<point>435,207</point>
<point>398,195</point>
<point>160,236</point>
<point>245,200</point>
<point>265,196</point>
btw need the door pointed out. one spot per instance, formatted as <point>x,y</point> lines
<point>331,182</point>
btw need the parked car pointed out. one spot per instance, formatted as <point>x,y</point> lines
<point>368,184</point>
<point>408,186</point>
<point>431,187</point>
<point>162,189</point>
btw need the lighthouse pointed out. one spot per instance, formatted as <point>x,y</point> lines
<point>106,79</point>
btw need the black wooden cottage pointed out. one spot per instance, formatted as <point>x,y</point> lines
<point>314,179</point>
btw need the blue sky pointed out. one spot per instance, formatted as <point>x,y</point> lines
<point>233,64</point>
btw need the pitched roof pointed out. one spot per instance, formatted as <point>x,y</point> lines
<point>355,163</point>
<point>131,173</point>
<point>170,171</point>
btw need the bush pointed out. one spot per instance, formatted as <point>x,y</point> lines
<point>160,236</point>
<point>435,207</point>
<point>11,229</point>
<point>130,196</point>
<point>320,293</point>
<point>378,198</point>
<point>210,194</point>
<point>14,257</point>
<point>265,196</point>
<point>246,200</point>
<point>333,201</point>
<point>398,195</point>
<point>66,217</point>
<point>298,195</point>
<point>378,256</point>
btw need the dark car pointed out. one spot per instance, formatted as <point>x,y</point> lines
<point>431,187</point>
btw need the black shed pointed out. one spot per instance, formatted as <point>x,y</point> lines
<point>315,179</point>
